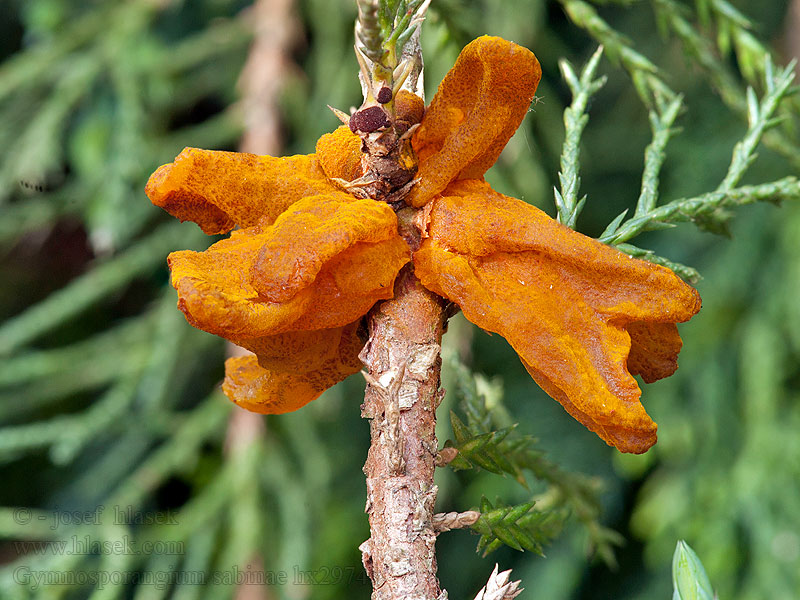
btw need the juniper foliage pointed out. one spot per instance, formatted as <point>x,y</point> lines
<point>108,399</point>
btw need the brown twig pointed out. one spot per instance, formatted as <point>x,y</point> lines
<point>403,359</point>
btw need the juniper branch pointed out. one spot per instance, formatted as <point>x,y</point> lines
<point>519,527</point>
<point>402,354</point>
<point>408,19</point>
<point>665,106</point>
<point>505,451</point>
<point>575,119</point>
<point>761,118</point>
<point>387,46</point>
<point>685,272</point>
<point>727,195</point>
<point>662,119</point>
<point>690,209</point>
<point>673,17</point>
<point>368,30</point>
<point>644,73</point>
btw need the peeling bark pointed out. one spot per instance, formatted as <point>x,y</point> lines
<point>403,360</point>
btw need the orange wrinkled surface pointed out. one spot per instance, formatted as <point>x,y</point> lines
<point>322,264</point>
<point>307,261</point>
<point>568,304</point>
<point>218,190</point>
<point>310,260</point>
<point>339,154</point>
<point>478,107</point>
<point>290,370</point>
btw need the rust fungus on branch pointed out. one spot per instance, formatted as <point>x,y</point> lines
<point>315,252</point>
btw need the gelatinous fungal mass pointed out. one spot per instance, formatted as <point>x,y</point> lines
<point>309,260</point>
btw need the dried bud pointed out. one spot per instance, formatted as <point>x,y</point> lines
<point>499,587</point>
<point>384,95</point>
<point>446,455</point>
<point>369,119</point>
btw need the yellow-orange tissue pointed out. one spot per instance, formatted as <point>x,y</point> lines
<point>290,370</point>
<point>310,260</point>
<point>478,107</point>
<point>218,190</point>
<point>568,304</point>
<point>322,264</point>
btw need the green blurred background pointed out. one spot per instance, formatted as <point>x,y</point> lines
<point>109,398</point>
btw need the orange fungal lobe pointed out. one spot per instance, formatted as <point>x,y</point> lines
<point>311,256</point>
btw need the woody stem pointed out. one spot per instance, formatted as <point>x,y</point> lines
<point>402,357</point>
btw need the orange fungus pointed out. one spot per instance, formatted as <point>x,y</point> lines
<point>309,259</point>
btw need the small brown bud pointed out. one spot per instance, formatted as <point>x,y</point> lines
<point>384,95</point>
<point>369,119</point>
